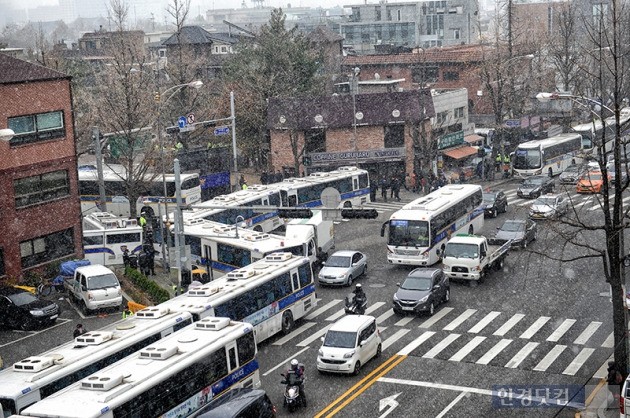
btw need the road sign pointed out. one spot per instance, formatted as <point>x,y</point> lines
<point>513,123</point>
<point>222,130</point>
<point>181,122</point>
<point>190,118</point>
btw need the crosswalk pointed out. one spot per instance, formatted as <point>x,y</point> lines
<point>493,338</point>
<point>585,202</point>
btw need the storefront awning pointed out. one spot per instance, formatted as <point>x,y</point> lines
<point>460,152</point>
<point>473,139</point>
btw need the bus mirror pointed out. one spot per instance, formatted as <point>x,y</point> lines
<point>383,229</point>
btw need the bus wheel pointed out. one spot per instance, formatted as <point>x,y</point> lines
<point>287,322</point>
<point>471,230</point>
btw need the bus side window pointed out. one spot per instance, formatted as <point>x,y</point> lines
<point>232,357</point>
<point>296,282</point>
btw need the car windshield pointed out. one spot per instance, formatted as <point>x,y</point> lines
<point>461,250</point>
<point>489,197</point>
<point>22,298</point>
<point>340,339</point>
<point>545,201</point>
<point>533,181</point>
<point>592,176</point>
<point>102,282</point>
<point>416,283</point>
<point>338,261</point>
<point>511,226</point>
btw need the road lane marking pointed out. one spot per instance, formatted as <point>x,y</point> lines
<point>535,327</point>
<point>399,334</point>
<point>438,315</point>
<point>484,322</point>
<point>521,355</point>
<point>336,315</point>
<point>587,333</point>
<point>404,321</point>
<point>314,336</point>
<point>441,346</point>
<point>578,361</point>
<point>451,405</point>
<point>295,333</point>
<point>285,362</point>
<point>610,341</point>
<point>561,330</point>
<point>59,322</point>
<point>324,308</point>
<point>460,319</point>
<point>509,325</point>
<point>374,307</point>
<point>385,316</point>
<point>415,343</point>
<point>467,349</point>
<point>551,356</point>
<point>494,351</point>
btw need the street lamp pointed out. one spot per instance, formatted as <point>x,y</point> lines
<point>6,135</point>
<point>236,224</point>
<point>354,89</point>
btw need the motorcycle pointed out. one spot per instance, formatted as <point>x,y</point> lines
<point>354,305</point>
<point>294,392</point>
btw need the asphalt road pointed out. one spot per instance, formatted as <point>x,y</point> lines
<point>537,322</point>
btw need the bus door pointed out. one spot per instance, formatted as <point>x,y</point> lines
<point>355,183</point>
<point>231,356</point>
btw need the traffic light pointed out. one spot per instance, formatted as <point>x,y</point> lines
<point>359,213</point>
<point>293,213</point>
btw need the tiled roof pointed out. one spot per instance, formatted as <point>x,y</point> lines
<point>190,35</point>
<point>458,53</point>
<point>13,70</point>
<point>323,34</point>
<point>227,38</point>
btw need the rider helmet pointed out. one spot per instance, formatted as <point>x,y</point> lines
<point>358,286</point>
<point>294,364</point>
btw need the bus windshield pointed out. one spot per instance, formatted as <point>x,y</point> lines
<point>409,233</point>
<point>526,159</point>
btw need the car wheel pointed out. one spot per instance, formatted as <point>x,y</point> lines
<point>287,322</point>
<point>357,368</point>
<point>378,351</point>
<point>447,295</point>
<point>84,308</point>
<point>499,264</point>
<point>365,269</point>
<point>349,282</point>
<point>431,309</point>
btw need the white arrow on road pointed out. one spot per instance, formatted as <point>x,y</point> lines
<point>389,401</point>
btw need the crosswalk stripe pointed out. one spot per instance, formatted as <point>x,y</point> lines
<point>578,361</point>
<point>587,333</point>
<point>336,315</point>
<point>385,316</point>
<point>374,307</point>
<point>314,336</point>
<point>509,325</point>
<point>561,330</point>
<point>521,355</point>
<point>467,349</point>
<point>610,341</point>
<point>295,333</point>
<point>535,327</point>
<point>459,320</point>
<point>399,334</point>
<point>441,346</point>
<point>436,317</point>
<point>551,356</point>
<point>415,343</point>
<point>484,322</point>
<point>404,321</point>
<point>324,308</point>
<point>494,351</point>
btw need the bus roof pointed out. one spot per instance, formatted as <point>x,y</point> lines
<point>435,200</point>
<point>105,221</point>
<point>85,350</point>
<point>320,177</point>
<point>116,172</point>
<point>238,198</point>
<point>137,372</point>
<point>238,281</point>
<point>549,141</point>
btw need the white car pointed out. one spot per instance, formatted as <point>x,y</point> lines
<point>342,268</point>
<point>549,206</point>
<point>349,343</point>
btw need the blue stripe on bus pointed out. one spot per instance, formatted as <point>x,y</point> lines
<point>276,307</point>
<point>234,377</point>
<point>445,232</point>
<point>99,250</point>
<point>295,297</point>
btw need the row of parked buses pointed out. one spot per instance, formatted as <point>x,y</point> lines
<point>169,360</point>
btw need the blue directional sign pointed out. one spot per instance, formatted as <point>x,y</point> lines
<point>222,130</point>
<point>182,122</point>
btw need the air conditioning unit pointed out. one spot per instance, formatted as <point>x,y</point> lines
<point>212,323</point>
<point>102,381</point>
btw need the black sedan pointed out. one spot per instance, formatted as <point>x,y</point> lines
<point>422,291</point>
<point>494,202</point>
<point>533,187</point>
<point>20,309</point>
<point>520,231</point>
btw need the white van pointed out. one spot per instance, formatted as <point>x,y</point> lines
<point>350,343</point>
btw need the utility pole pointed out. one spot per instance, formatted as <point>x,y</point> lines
<point>233,117</point>
<point>180,244</point>
<point>96,135</point>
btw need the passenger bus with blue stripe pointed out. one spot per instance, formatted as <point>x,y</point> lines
<point>106,237</point>
<point>271,294</point>
<point>549,156</point>
<point>417,233</point>
<point>173,377</point>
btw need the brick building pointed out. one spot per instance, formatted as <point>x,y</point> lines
<point>322,129</point>
<point>40,211</point>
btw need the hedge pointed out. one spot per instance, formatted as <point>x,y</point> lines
<point>154,291</point>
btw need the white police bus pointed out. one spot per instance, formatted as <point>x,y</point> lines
<point>106,236</point>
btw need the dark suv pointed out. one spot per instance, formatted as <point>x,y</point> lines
<point>494,202</point>
<point>422,291</point>
<point>535,186</point>
<point>239,403</point>
<point>20,309</point>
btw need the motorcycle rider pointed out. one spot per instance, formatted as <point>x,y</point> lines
<point>298,369</point>
<point>359,298</point>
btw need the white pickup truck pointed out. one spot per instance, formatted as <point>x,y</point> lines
<point>92,287</point>
<point>472,257</point>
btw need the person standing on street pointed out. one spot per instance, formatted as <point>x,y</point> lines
<point>242,181</point>
<point>79,330</point>
<point>373,190</point>
<point>395,188</point>
<point>384,184</point>
<point>126,312</point>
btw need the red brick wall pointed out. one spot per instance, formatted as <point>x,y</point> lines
<point>32,159</point>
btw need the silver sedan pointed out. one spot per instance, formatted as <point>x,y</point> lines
<point>342,268</point>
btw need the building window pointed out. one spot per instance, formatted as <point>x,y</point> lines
<point>394,136</point>
<point>39,127</point>
<point>451,76</point>
<point>441,118</point>
<point>457,34</point>
<point>315,140</point>
<point>459,113</point>
<point>398,15</point>
<point>47,248</point>
<point>41,188</point>
<point>377,13</point>
<point>224,49</point>
<point>435,25</point>
<point>356,15</point>
<point>2,270</point>
<point>424,74</point>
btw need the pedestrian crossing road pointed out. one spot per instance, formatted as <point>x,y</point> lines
<point>494,338</point>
